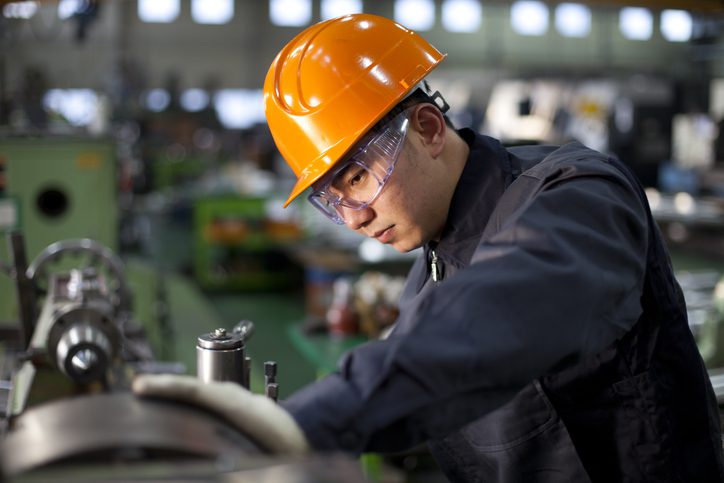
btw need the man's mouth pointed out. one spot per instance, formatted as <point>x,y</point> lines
<point>384,236</point>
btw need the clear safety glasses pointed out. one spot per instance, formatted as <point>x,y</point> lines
<point>360,178</point>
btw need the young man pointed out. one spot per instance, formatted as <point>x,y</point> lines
<point>542,336</point>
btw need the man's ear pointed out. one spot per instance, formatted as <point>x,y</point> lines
<point>429,123</point>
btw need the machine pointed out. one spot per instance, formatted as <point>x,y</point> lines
<point>65,372</point>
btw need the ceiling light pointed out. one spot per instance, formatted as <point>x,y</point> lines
<point>636,23</point>
<point>573,19</point>
<point>529,17</point>
<point>676,25</point>
<point>415,14</point>
<point>337,8</point>
<point>290,13</point>
<point>462,15</point>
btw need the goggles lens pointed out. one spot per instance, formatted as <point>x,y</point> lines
<point>360,178</point>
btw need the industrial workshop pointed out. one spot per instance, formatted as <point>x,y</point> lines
<point>382,241</point>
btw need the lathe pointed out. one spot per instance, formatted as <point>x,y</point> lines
<point>66,409</point>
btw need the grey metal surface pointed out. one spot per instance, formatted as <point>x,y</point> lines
<point>109,426</point>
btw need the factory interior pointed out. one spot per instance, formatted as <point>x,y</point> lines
<point>136,165</point>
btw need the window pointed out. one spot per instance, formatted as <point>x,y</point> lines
<point>636,23</point>
<point>290,13</point>
<point>573,19</point>
<point>415,14</point>
<point>78,106</point>
<point>529,17</point>
<point>462,15</point>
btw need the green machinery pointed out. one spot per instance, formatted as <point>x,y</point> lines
<point>56,188</point>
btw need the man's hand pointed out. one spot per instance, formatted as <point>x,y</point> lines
<point>258,416</point>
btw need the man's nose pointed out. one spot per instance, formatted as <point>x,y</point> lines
<point>356,219</point>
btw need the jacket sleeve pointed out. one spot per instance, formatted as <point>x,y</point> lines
<point>548,286</point>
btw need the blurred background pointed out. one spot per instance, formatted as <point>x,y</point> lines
<point>139,124</point>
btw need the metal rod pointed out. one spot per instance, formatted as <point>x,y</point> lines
<point>26,294</point>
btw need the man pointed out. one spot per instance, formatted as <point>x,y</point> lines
<point>542,336</point>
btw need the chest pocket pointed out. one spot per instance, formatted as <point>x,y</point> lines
<point>522,441</point>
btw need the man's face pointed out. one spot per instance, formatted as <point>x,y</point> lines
<point>408,212</point>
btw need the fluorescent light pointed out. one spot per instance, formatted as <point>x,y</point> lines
<point>462,15</point>
<point>529,17</point>
<point>67,8</point>
<point>78,106</point>
<point>157,100</point>
<point>636,23</point>
<point>158,11</point>
<point>573,19</point>
<point>290,13</point>
<point>415,14</point>
<point>214,12</point>
<point>676,25</point>
<point>337,8</point>
<point>194,100</point>
<point>20,9</point>
<point>239,108</point>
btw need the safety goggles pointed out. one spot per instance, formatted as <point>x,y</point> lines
<point>359,180</point>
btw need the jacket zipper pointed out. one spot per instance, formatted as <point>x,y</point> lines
<point>434,269</point>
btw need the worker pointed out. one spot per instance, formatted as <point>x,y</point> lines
<point>542,336</point>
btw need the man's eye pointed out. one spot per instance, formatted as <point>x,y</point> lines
<point>356,177</point>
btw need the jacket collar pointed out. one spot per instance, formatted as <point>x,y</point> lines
<point>487,173</point>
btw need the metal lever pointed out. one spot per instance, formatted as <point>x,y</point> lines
<point>244,329</point>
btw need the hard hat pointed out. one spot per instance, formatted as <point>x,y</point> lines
<point>331,83</point>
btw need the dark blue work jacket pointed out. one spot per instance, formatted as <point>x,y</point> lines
<point>552,344</point>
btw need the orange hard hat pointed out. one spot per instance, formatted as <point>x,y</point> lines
<point>333,82</point>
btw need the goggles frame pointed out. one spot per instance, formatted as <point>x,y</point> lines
<point>385,144</point>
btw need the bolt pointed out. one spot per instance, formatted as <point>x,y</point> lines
<point>219,333</point>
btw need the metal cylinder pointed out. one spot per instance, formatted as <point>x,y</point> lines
<point>220,357</point>
<point>83,352</point>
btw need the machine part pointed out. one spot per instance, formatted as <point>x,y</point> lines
<point>220,357</point>
<point>244,329</point>
<point>99,255</point>
<point>247,372</point>
<point>26,294</point>
<point>272,391</point>
<point>111,427</point>
<point>83,353</point>
<point>271,388</point>
<point>76,329</point>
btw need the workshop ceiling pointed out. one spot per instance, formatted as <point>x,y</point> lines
<point>693,5</point>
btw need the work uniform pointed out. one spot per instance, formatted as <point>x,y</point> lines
<point>542,339</point>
